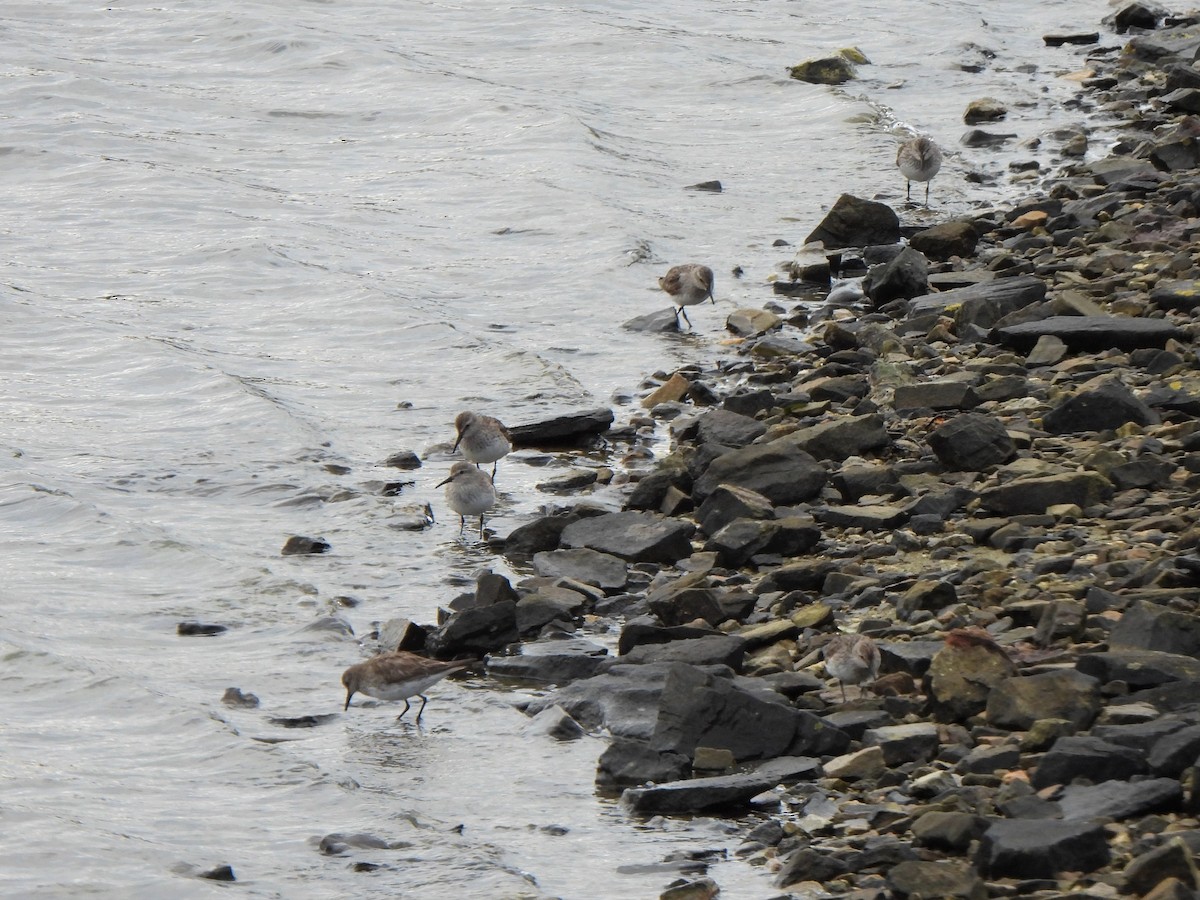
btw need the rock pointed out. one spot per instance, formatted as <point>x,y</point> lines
<point>942,242</point>
<point>297,545</point>
<point>724,428</point>
<point>539,535</point>
<point>720,791</point>
<point>571,429</point>
<point>986,109</point>
<point>809,864</point>
<point>926,594</point>
<point>840,437</point>
<point>853,222</point>
<point>1018,702</point>
<point>628,763</point>
<point>865,763</point>
<point>727,503</point>
<point>947,879</point>
<point>552,662</point>
<point>220,873</point>
<point>1088,333</point>
<point>475,631</point>
<point>554,722</point>
<point>1109,405</point>
<point>779,470</point>
<point>403,459</point>
<point>1035,495</point>
<point>712,650</point>
<point>826,70</point>
<point>868,518</point>
<point>1139,668</point>
<point>982,304</point>
<point>952,832</point>
<point>1041,848</point>
<point>589,566</point>
<point>972,442</point>
<point>633,536</point>
<point>640,632</point>
<point>649,492</point>
<point>1172,860</point>
<point>1119,799</point>
<point>1148,626</point>
<point>699,889</point>
<point>656,322</point>
<point>935,395</point>
<point>199,629</point>
<point>234,697</point>
<point>1088,757</point>
<point>752,322</point>
<point>904,743</point>
<point>903,277</point>
<point>1175,752</point>
<point>961,676</point>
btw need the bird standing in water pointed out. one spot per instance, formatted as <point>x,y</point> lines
<point>687,285</point>
<point>918,159</point>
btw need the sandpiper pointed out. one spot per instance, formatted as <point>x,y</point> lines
<point>397,676</point>
<point>688,284</point>
<point>919,159</point>
<point>482,438</point>
<point>469,492</point>
<point>852,659</point>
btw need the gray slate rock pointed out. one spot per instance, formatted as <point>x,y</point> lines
<point>552,662</point>
<point>1065,694</point>
<point>1175,752</point>
<point>589,566</point>
<point>903,277</point>
<point>1109,405</point>
<point>1088,333</point>
<point>840,437</point>
<point>946,393</point>
<point>983,304</point>
<point>780,470</point>
<point>632,535</point>
<point>1139,668</point>
<point>565,430</point>
<point>728,502</point>
<point>719,792</point>
<point>1149,626</point>
<point>854,222</point>
<point>475,631</point>
<point>627,763</point>
<point>711,650</point>
<point>1120,799</point>
<point>1088,757</point>
<point>1041,848</point>
<point>945,878</point>
<point>1035,495</point>
<point>972,443</point>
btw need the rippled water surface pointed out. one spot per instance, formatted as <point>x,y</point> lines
<point>251,249</point>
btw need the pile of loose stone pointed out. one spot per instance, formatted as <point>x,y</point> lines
<point>993,469</point>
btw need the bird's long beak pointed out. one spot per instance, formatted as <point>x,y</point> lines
<point>349,694</point>
<point>447,481</point>
<point>457,441</point>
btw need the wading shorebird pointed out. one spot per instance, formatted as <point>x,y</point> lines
<point>918,159</point>
<point>397,676</point>
<point>852,659</point>
<point>469,492</point>
<point>687,285</point>
<point>483,439</point>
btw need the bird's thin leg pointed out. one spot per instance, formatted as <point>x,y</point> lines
<point>494,471</point>
<point>683,312</point>
<point>481,528</point>
<point>907,189</point>
<point>843,684</point>
<point>424,700</point>
<point>927,194</point>
<point>401,716</point>
<point>462,523</point>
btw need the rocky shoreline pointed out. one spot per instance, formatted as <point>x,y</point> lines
<point>991,466</point>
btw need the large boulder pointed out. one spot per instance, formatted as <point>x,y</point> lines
<point>632,535</point>
<point>854,222</point>
<point>779,470</point>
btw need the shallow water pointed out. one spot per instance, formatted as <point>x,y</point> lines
<point>251,250</point>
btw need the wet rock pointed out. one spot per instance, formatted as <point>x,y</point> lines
<point>752,322</point>
<point>1135,15</point>
<point>475,631</point>
<point>809,864</point>
<point>853,222</point>
<point>947,879</point>
<point>1120,799</point>
<point>633,536</point>
<point>868,518</point>
<point>541,534</point>
<point>985,109</point>
<point>942,242</point>
<point>1041,848</point>
<point>1088,333</point>
<point>1108,405</point>
<point>545,605</point>
<point>199,629</point>
<point>903,277</point>
<point>552,662</point>
<point>1088,757</point>
<point>1139,668</point>
<point>649,492</point>
<point>220,873</point>
<point>638,632</point>
<point>718,792</point>
<point>234,697</point>
<point>712,650</point>
<point>926,594</point>
<point>865,763</point>
<point>724,428</point>
<point>589,566</point>
<point>972,443</point>
<point>571,429</point>
<point>403,459</point>
<point>554,722</point>
<point>628,763</point>
<point>298,545</point>
<point>825,70</point>
<point>1066,694</point>
<point>1175,752</point>
<point>779,470</point>
<point>491,587</point>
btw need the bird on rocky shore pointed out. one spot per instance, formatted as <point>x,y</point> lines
<point>469,492</point>
<point>852,659</point>
<point>687,285</point>
<point>918,159</point>
<point>483,439</point>
<point>398,675</point>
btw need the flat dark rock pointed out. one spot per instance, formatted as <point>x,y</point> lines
<point>1089,333</point>
<point>1120,799</point>
<point>699,794</point>
<point>564,430</point>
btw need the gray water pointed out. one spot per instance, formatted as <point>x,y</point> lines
<point>253,248</point>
